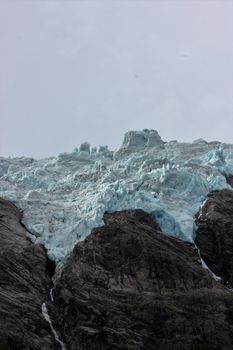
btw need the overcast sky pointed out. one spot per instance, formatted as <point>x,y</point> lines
<point>75,71</point>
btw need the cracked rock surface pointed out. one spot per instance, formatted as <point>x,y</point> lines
<point>128,286</point>
<point>214,235</point>
<point>24,285</point>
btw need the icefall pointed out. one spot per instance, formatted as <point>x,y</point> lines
<point>64,197</point>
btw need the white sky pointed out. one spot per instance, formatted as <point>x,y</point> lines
<point>74,71</point>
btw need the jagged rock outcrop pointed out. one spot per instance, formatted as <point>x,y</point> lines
<point>24,285</point>
<point>128,286</point>
<point>215,234</point>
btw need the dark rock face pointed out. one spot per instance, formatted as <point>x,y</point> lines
<point>229,180</point>
<point>215,234</point>
<point>24,286</point>
<point>128,286</point>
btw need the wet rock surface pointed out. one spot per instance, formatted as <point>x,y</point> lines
<point>128,286</point>
<point>215,234</point>
<point>24,286</point>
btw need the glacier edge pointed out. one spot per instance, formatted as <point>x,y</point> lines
<point>64,197</point>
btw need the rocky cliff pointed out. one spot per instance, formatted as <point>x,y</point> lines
<point>126,286</point>
<point>25,281</point>
<point>214,235</point>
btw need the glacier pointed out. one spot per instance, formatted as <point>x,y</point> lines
<point>64,197</point>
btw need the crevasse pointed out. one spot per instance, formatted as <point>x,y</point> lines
<point>64,197</point>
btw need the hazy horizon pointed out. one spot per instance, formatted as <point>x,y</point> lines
<point>91,70</point>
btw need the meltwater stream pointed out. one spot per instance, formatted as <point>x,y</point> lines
<point>48,319</point>
<point>204,266</point>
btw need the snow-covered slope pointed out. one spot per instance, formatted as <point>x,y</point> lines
<point>63,198</point>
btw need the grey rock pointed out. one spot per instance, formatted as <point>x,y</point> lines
<point>24,285</point>
<point>129,286</point>
<point>215,234</point>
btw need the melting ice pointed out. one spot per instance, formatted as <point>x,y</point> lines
<point>64,197</point>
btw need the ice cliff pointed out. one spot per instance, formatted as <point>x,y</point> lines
<point>64,197</point>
